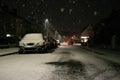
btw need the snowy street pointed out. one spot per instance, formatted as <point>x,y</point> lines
<point>59,40</point>
<point>65,63</point>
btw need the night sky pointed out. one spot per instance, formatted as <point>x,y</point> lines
<point>69,15</point>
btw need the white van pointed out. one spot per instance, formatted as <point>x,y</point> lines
<point>32,42</point>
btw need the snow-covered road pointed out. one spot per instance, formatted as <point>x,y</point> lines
<point>65,63</point>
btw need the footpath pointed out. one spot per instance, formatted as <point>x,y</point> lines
<point>8,51</point>
<point>111,55</point>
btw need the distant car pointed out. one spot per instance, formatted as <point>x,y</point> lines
<point>33,42</point>
<point>63,43</point>
<point>77,43</point>
<point>69,42</point>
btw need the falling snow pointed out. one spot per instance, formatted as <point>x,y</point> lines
<point>74,2</point>
<point>70,11</point>
<point>79,21</point>
<point>62,9</point>
<point>77,9</point>
<point>32,12</point>
<point>23,5</point>
<point>89,5</point>
<point>42,0</point>
<point>43,13</point>
<point>95,13</point>
<point>70,1</point>
<point>38,4</point>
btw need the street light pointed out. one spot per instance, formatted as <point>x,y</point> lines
<point>46,26</point>
<point>46,20</point>
<point>46,23</point>
<point>8,35</point>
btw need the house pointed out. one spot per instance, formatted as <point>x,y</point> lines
<point>87,34</point>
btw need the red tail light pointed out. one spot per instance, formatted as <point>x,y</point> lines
<point>45,43</point>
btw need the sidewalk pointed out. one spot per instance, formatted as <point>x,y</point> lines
<point>7,51</point>
<point>110,55</point>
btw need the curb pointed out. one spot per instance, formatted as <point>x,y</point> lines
<point>8,54</point>
<point>100,53</point>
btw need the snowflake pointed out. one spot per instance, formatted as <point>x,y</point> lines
<point>79,21</point>
<point>28,17</point>
<point>44,13</point>
<point>46,5</point>
<point>38,4</point>
<point>73,23</point>
<point>103,24</point>
<point>70,1</point>
<point>87,2</point>
<point>32,12</point>
<point>18,0</point>
<point>42,0</point>
<point>23,5</point>
<point>74,2</point>
<point>70,11</point>
<point>89,5</point>
<point>38,11</point>
<point>62,9</point>
<point>95,13</point>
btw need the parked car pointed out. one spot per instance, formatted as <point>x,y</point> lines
<point>33,42</point>
<point>6,42</point>
<point>58,42</point>
<point>52,43</point>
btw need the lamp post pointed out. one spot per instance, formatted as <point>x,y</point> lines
<point>46,22</point>
<point>46,26</point>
